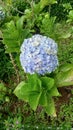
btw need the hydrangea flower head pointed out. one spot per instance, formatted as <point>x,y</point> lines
<point>39,55</point>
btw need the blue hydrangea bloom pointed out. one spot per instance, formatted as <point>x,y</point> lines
<point>39,55</point>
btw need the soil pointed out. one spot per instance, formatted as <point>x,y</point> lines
<point>66,94</point>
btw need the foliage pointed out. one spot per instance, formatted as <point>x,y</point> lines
<point>61,9</point>
<point>22,28</point>
<point>44,88</point>
<point>18,6</point>
<point>40,94</point>
<point>37,120</point>
<point>53,18</point>
<point>7,68</point>
<point>2,91</point>
<point>2,15</point>
<point>14,34</point>
<point>65,76</point>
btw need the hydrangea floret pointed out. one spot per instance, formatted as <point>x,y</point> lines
<point>39,55</point>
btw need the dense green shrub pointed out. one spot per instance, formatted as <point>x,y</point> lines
<point>61,9</point>
<point>6,68</point>
<point>19,6</point>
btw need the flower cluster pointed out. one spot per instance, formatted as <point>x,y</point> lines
<point>39,55</point>
<point>2,15</point>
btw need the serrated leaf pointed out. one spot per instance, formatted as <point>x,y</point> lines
<point>47,82</point>
<point>11,38</point>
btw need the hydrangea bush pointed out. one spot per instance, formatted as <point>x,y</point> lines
<point>39,55</point>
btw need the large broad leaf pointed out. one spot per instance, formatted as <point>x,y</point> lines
<point>34,99</point>
<point>25,90</point>
<point>64,78</point>
<point>35,82</point>
<point>43,99</point>
<point>50,108</point>
<point>47,82</point>
<point>21,90</point>
<point>29,91</point>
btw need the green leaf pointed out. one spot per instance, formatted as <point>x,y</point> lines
<point>29,91</point>
<point>71,14</point>
<point>43,99</point>
<point>11,38</point>
<point>44,3</point>
<point>24,91</point>
<point>19,23</point>
<point>47,82</point>
<point>64,78</point>
<point>66,35</point>
<point>65,67</point>
<point>54,92</point>
<point>21,91</point>
<point>50,108</point>
<point>35,82</point>
<point>48,24</point>
<point>2,91</point>
<point>2,87</point>
<point>34,99</point>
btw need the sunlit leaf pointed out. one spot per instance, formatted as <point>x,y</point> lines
<point>64,78</point>
<point>20,91</point>
<point>54,92</point>
<point>65,67</point>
